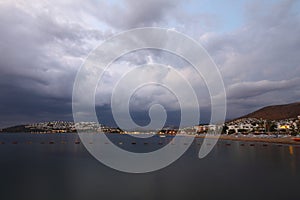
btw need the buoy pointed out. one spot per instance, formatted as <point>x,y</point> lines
<point>265,145</point>
<point>252,145</point>
<point>133,142</point>
<point>14,142</point>
<point>51,142</point>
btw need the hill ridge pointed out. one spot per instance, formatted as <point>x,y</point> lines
<point>276,112</point>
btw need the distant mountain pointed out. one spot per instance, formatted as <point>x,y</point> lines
<point>19,128</point>
<point>276,112</point>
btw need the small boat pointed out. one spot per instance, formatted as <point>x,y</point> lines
<point>297,139</point>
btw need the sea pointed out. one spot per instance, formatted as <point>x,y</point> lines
<point>59,167</point>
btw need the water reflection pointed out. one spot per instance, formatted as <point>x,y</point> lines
<point>291,148</point>
<point>65,170</point>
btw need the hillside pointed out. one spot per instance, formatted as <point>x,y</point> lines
<point>19,128</point>
<point>276,112</point>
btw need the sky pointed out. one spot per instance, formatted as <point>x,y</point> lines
<point>255,45</point>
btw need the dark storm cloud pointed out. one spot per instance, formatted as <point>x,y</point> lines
<point>42,45</point>
<point>19,105</point>
<point>254,89</point>
<point>39,57</point>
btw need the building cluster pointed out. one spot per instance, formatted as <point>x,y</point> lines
<point>239,126</point>
<point>260,126</point>
<point>254,126</point>
<point>96,127</point>
<point>51,127</point>
<point>68,127</point>
<point>205,128</point>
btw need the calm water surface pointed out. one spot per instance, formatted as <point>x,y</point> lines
<point>32,168</point>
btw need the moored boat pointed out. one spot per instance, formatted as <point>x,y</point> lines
<point>297,139</point>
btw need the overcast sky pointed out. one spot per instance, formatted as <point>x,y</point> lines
<point>255,44</point>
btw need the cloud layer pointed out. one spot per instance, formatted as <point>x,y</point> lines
<point>43,44</point>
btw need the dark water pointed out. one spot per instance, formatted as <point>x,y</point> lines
<point>31,168</point>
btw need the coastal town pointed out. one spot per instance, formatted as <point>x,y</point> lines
<point>242,126</point>
<point>61,127</point>
<point>261,126</point>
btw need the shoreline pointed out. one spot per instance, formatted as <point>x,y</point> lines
<point>284,140</point>
<point>289,140</point>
